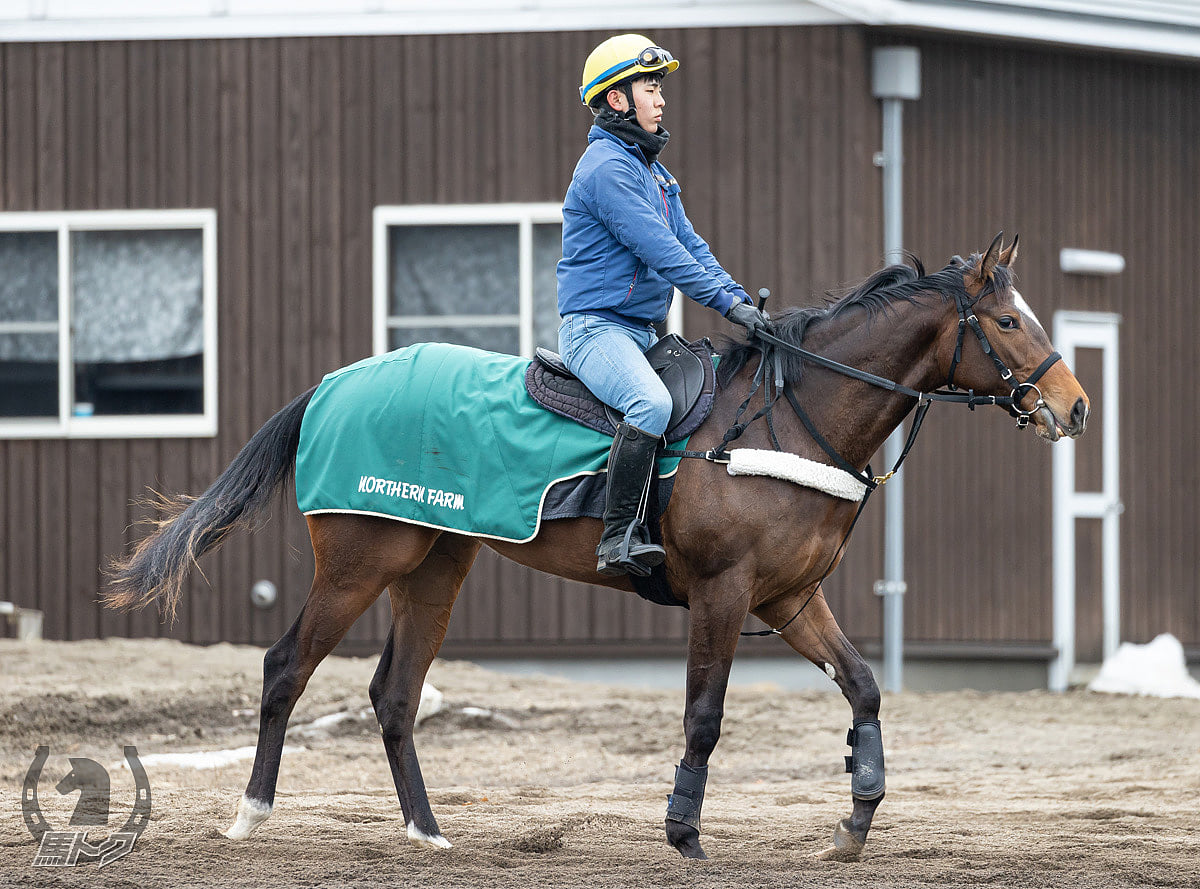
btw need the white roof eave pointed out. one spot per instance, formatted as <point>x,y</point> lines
<point>1027,22</point>
<point>1157,27</point>
<point>109,20</point>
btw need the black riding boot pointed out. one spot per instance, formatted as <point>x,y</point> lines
<point>625,547</point>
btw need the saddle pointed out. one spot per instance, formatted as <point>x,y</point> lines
<point>685,368</point>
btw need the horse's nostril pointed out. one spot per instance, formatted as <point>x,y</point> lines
<point>1079,413</point>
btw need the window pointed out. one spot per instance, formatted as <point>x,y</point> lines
<point>482,275</point>
<point>479,275</point>
<point>108,324</point>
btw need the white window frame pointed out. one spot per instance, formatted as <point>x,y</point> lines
<point>524,216</point>
<point>1075,330</point>
<point>124,425</point>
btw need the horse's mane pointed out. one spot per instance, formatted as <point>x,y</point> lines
<point>900,283</point>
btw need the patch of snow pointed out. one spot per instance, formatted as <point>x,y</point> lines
<point>432,701</point>
<point>321,726</point>
<point>200,759</point>
<point>1157,669</point>
<point>490,715</point>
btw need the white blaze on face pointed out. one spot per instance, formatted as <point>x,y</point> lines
<point>1022,306</point>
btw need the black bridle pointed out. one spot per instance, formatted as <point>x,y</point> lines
<point>1012,402</point>
<point>770,373</point>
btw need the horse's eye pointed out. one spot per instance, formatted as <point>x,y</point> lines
<point>1008,322</point>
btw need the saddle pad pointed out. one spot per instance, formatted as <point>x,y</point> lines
<point>443,436</point>
<point>569,397</point>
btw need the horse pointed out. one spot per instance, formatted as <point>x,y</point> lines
<point>91,780</point>
<point>734,545</point>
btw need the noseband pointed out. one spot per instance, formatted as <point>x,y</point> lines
<point>967,318</point>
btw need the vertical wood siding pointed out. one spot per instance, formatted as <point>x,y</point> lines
<point>1070,150</point>
<point>295,141</point>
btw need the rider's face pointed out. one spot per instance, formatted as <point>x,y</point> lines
<point>647,99</point>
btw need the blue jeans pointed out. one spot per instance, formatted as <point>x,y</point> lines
<point>609,358</point>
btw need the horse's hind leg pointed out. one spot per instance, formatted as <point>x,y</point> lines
<point>816,635</point>
<point>356,558</point>
<point>421,605</point>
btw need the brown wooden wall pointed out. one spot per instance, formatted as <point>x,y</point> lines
<point>1070,150</point>
<point>295,141</point>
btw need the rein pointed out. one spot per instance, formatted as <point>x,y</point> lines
<point>770,372</point>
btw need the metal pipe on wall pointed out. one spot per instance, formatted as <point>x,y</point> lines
<point>896,76</point>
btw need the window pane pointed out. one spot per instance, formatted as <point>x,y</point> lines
<point>493,339</point>
<point>167,386</point>
<point>29,375</point>
<point>29,277</point>
<point>138,330</point>
<point>547,251</point>
<point>453,270</point>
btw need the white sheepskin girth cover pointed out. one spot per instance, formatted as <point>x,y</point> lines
<point>797,469</point>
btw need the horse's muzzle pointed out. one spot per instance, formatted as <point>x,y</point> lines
<point>1078,419</point>
<point>1051,428</point>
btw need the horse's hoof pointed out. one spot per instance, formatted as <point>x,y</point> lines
<point>846,846</point>
<point>686,840</point>
<point>250,815</point>
<point>422,840</point>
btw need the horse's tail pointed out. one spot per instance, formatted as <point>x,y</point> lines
<point>191,526</point>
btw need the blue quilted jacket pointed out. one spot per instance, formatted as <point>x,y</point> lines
<point>627,241</point>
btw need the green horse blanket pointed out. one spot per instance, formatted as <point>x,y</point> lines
<point>442,436</point>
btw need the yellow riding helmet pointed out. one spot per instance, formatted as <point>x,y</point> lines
<point>619,58</point>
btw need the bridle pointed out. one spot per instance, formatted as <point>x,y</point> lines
<point>1012,402</point>
<point>770,374</point>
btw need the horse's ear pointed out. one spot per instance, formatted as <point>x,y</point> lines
<point>1009,254</point>
<point>991,257</point>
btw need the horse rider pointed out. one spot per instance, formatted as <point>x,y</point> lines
<point>626,244</point>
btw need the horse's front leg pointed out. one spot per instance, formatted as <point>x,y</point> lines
<point>816,635</point>
<point>718,610</point>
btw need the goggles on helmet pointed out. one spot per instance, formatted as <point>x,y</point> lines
<point>654,55</point>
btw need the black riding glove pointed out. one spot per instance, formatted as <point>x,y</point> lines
<point>749,317</point>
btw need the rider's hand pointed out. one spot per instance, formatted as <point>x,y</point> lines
<point>748,316</point>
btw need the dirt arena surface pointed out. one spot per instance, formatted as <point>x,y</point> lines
<point>564,784</point>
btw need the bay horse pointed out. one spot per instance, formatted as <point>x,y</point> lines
<point>735,546</point>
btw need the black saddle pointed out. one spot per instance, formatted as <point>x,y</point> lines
<point>686,369</point>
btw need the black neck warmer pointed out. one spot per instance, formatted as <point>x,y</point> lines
<point>629,130</point>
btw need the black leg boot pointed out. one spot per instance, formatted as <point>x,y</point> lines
<point>625,547</point>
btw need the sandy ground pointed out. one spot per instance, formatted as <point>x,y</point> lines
<point>564,784</point>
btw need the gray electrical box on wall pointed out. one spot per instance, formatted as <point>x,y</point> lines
<point>896,72</point>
